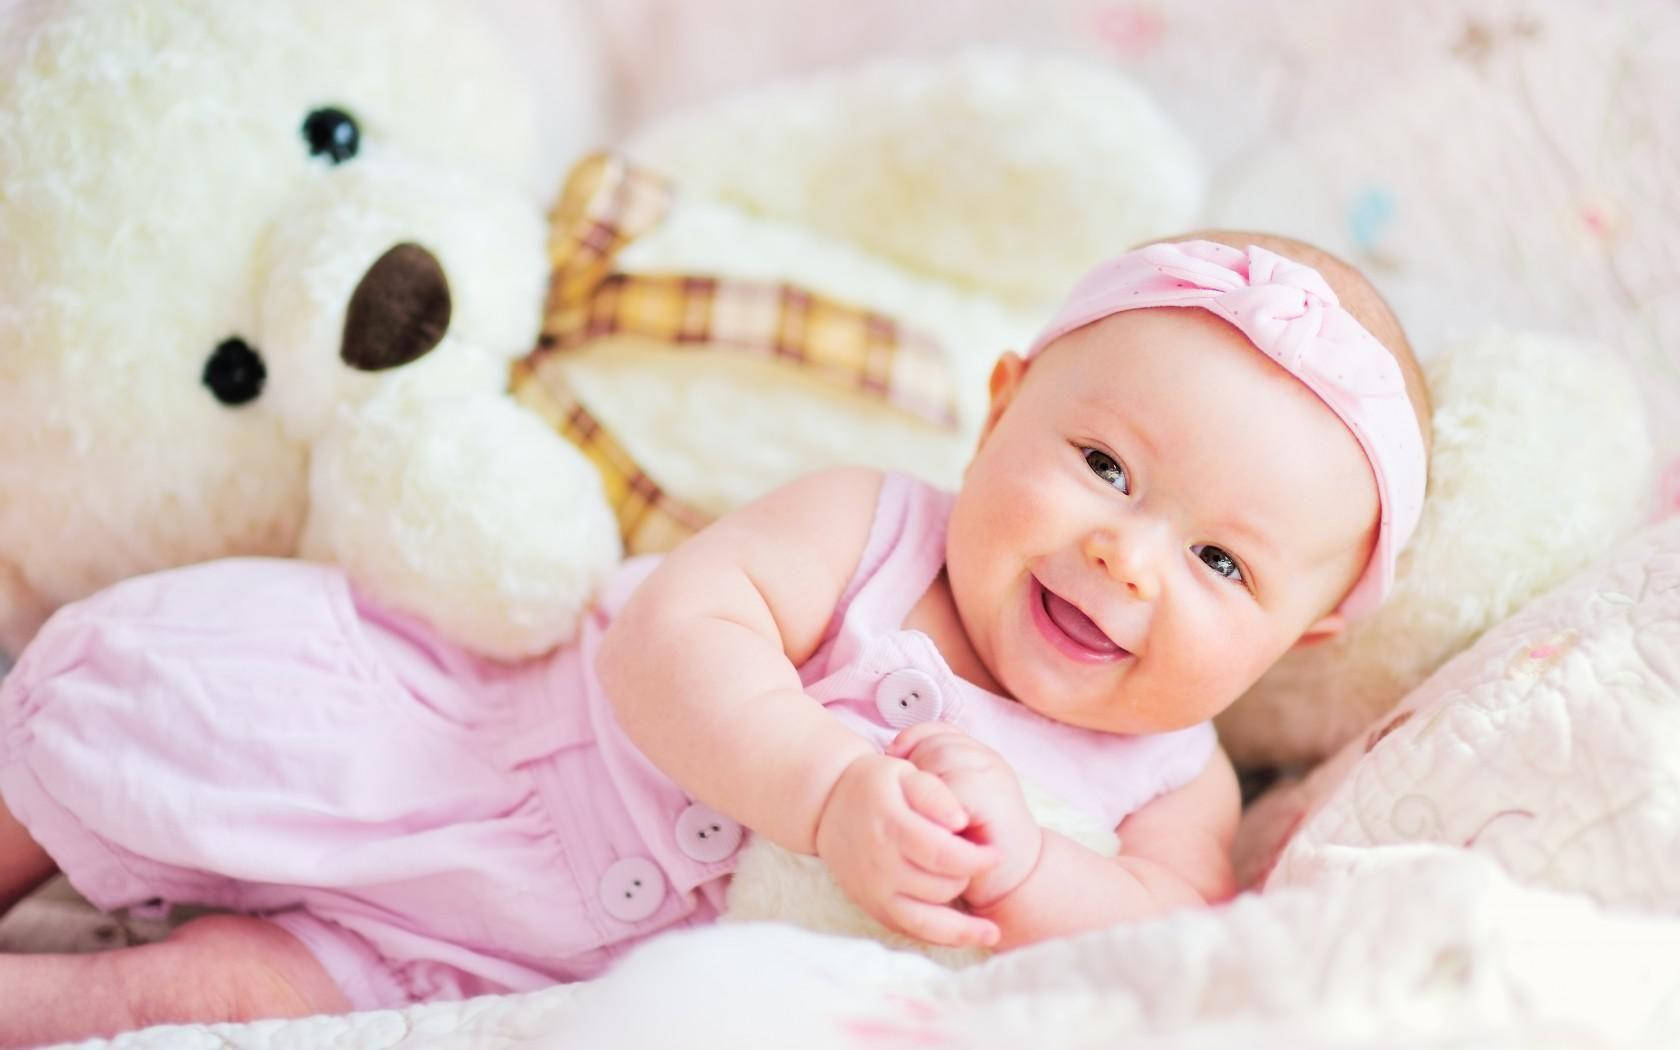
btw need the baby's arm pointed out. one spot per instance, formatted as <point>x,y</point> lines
<point>701,668</point>
<point>1175,851</point>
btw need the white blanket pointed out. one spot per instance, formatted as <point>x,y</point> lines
<point>1414,946</point>
<point>1491,865</point>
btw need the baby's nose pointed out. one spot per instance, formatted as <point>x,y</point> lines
<point>1130,557</point>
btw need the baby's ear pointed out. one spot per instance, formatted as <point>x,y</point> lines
<point>1006,378</point>
<point>1322,630</point>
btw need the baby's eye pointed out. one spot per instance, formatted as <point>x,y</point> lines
<point>1108,468</point>
<point>1219,561</point>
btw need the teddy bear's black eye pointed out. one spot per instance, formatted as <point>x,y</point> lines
<point>235,372</point>
<point>332,133</point>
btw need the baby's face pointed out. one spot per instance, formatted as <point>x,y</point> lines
<point>1156,513</point>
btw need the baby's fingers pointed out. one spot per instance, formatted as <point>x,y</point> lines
<point>940,924</point>
<point>932,848</point>
<point>934,799</point>
<point>907,739</point>
<point>928,887</point>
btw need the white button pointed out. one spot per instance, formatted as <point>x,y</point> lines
<point>706,835</point>
<point>632,888</point>
<point>907,697</point>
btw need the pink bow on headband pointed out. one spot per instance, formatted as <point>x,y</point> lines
<point>1291,314</point>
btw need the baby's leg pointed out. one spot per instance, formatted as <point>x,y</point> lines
<point>23,864</point>
<point>218,968</point>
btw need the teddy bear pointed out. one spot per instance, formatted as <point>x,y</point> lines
<point>264,272</point>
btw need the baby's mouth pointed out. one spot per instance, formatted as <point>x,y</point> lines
<point>1070,630</point>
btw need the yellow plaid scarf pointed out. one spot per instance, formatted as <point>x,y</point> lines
<point>606,204</point>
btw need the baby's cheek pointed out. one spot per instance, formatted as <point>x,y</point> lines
<point>1018,506</point>
<point>1218,678</point>
<point>1243,664</point>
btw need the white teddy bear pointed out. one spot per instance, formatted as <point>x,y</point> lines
<point>264,269</point>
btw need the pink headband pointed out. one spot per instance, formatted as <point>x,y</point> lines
<point>1289,312</point>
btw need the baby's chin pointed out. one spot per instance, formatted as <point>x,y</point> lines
<point>1128,722</point>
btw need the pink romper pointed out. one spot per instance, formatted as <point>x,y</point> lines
<point>251,735</point>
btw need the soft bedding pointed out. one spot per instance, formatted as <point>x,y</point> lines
<point>1552,746</point>
<point>1470,958</point>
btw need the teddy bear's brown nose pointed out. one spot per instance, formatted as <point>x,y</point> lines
<point>398,312</point>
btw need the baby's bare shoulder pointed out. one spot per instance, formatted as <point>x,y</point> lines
<point>790,554</point>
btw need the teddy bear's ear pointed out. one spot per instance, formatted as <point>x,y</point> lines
<point>1061,160</point>
<point>1541,462</point>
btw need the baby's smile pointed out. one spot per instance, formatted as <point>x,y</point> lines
<point>1069,629</point>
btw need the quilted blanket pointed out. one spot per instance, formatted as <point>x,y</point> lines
<point>1493,864</point>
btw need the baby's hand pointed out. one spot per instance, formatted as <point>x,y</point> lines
<point>989,792</point>
<point>888,834</point>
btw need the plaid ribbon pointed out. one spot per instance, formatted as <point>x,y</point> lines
<point>607,203</point>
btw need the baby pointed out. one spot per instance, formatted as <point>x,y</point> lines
<point>1213,453</point>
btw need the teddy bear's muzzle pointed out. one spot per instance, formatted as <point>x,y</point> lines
<point>398,312</point>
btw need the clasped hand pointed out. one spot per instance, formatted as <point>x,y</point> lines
<point>938,819</point>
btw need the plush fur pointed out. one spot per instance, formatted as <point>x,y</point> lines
<point>993,170</point>
<point>159,198</point>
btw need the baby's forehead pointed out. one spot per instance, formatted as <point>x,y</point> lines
<point>1159,338</point>
<point>1175,360</point>
<point>1184,361</point>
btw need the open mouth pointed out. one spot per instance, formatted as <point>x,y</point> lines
<point>1069,630</point>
